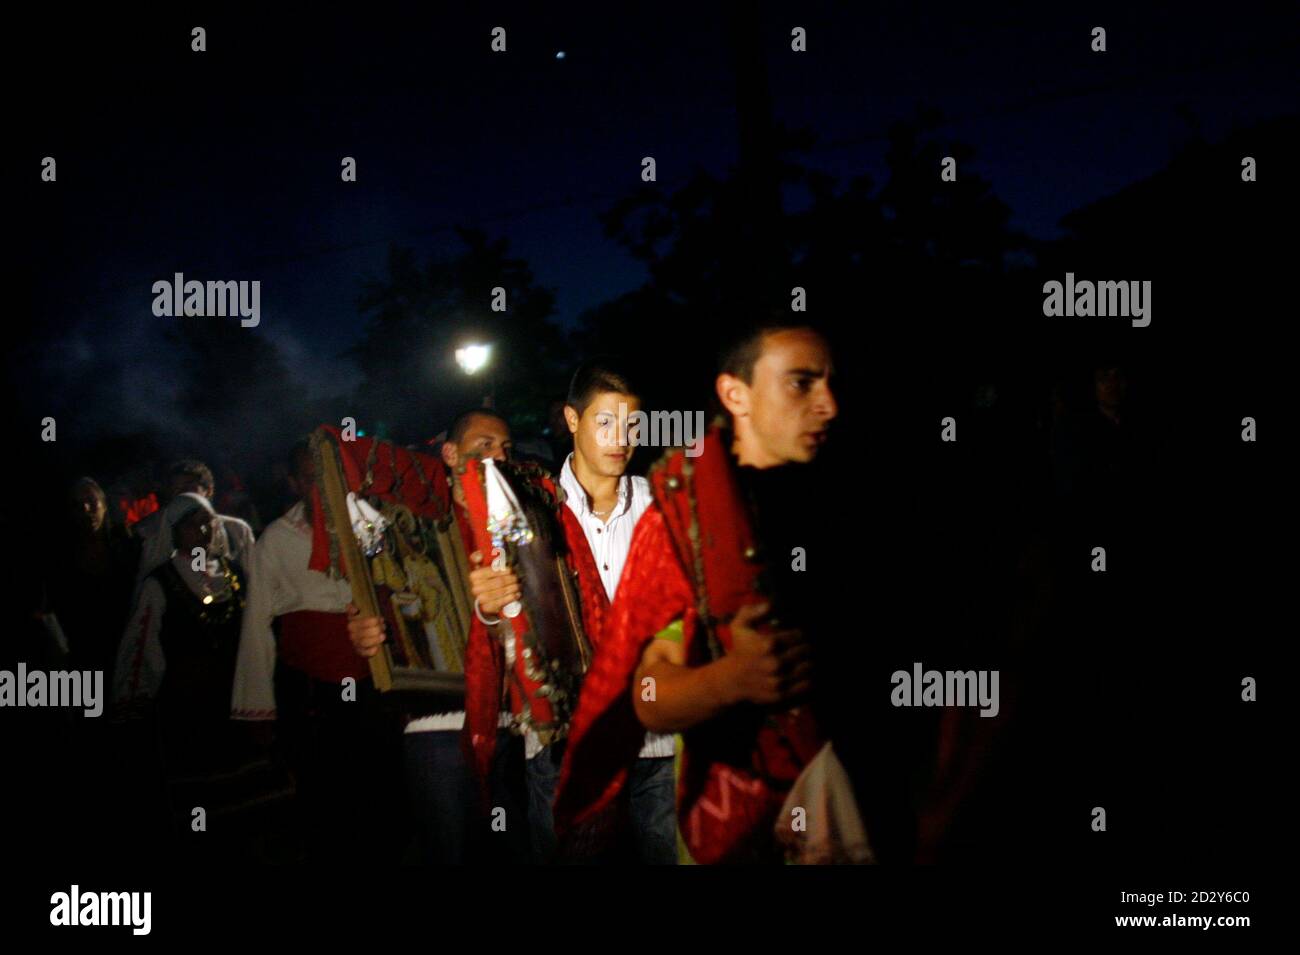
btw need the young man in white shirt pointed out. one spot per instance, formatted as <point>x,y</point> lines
<point>608,502</point>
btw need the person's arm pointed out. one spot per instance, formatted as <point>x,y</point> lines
<point>764,668</point>
<point>155,548</point>
<point>253,694</point>
<point>240,539</point>
<point>140,661</point>
<point>670,696</point>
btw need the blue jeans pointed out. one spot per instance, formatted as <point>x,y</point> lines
<point>543,774</point>
<point>445,801</point>
<point>652,805</point>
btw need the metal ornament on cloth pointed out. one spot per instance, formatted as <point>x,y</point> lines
<point>368,524</point>
<point>506,523</point>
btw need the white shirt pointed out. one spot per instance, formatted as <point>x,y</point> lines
<point>239,537</point>
<point>280,582</point>
<point>454,720</point>
<point>610,542</point>
<point>283,583</point>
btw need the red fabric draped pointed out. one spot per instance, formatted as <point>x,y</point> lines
<point>605,736</point>
<point>693,553</point>
<point>591,591</point>
<point>485,657</point>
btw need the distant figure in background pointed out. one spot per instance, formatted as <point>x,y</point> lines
<point>89,580</point>
<point>81,606</point>
<point>1103,434</point>
<point>235,503</point>
<point>230,535</point>
<point>1099,455</point>
<point>176,664</point>
<point>557,432</point>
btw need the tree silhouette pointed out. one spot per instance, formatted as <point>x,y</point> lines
<point>916,256</point>
<point>419,314</point>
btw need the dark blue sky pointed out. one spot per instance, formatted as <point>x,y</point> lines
<point>226,164</point>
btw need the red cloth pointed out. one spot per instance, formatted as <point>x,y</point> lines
<point>485,656</point>
<point>688,558</point>
<point>317,643</point>
<point>606,736</point>
<point>412,478</point>
<point>134,510</point>
<point>420,481</point>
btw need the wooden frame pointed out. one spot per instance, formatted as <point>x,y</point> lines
<point>386,672</point>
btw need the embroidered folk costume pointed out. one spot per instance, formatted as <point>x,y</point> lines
<point>176,665</point>
<point>308,607</point>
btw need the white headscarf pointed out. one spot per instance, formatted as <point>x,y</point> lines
<point>141,663</point>
<point>159,547</point>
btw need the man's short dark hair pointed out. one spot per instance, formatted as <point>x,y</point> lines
<point>598,376</point>
<point>193,469</point>
<point>460,423</point>
<point>742,350</point>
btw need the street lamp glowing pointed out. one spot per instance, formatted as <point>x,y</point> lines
<point>472,358</point>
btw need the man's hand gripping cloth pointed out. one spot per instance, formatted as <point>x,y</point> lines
<point>693,559</point>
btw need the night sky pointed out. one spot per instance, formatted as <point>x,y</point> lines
<point>226,164</point>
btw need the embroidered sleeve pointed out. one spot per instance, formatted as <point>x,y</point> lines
<point>239,539</point>
<point>253,695</point>
<point>140,663</point>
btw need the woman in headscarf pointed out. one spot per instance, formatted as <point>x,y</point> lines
<point>176,663</point>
